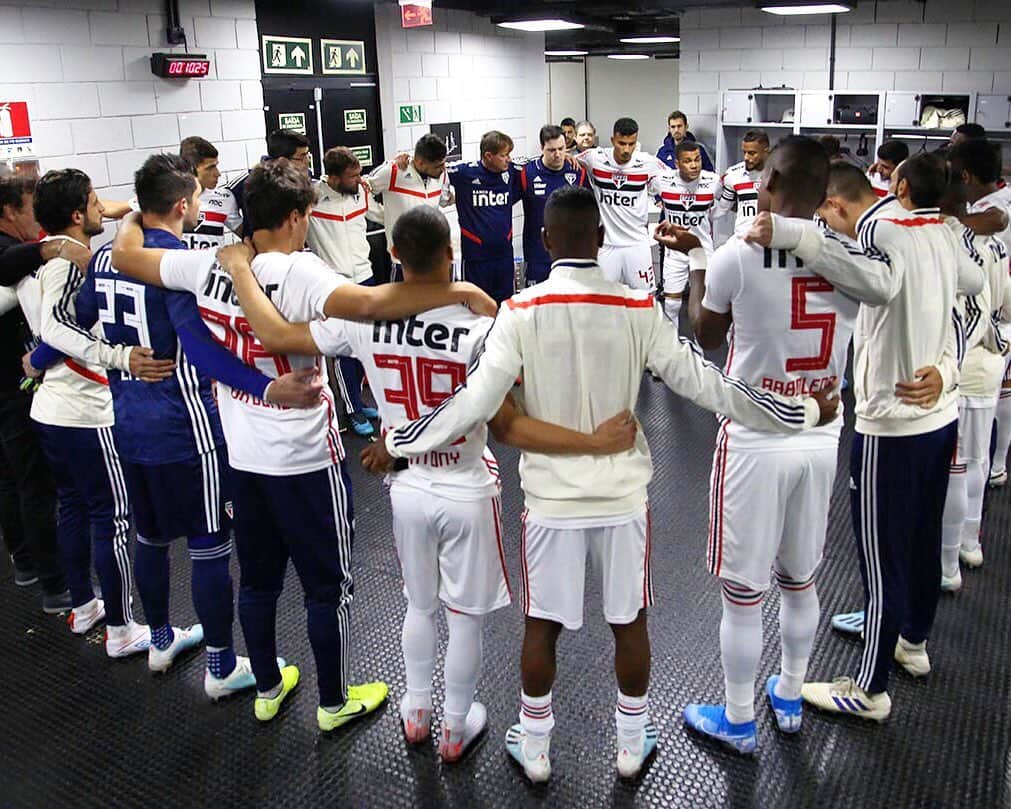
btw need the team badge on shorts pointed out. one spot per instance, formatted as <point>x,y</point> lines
<point>570,178</point>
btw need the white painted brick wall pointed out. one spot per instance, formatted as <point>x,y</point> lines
<point>93,101</point>
<point>881,45</point>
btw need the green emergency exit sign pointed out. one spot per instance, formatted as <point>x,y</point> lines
<point>411,114</point>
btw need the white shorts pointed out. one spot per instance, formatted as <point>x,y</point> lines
<point>631,266</point>
<point>974,426</point>
<point>765,509</point>
<point>450,551</point>
<point>554,569</point>
<point>675,277</point>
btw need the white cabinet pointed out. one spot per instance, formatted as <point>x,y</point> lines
<point>738,107</point>
<point>815,109</point>
<point>905,109</point>
<point>902,109</point>
<point>993,112</point>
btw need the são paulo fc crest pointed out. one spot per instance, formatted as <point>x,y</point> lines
<point>688,200</point>
<point>619,179</point>
<point>570,178</point>
<point>505,177</point>
<point>229,510</point>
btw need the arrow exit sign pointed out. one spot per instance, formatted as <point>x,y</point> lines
<point>289,55</point>
<point>342,57</point>
<point>411,114</point>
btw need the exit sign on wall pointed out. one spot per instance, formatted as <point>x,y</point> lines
<point>415,13</point>
<point>411,114</point>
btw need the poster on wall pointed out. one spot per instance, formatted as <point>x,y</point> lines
<point>452,135</point>
<point>15,130</point>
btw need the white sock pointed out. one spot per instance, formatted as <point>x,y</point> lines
<point>671,308</point>
<point>798,622</point>
<point>740,649</point>
<point>463,665</point>
<point>956,505</point>
<point>630,717</point>
<point>975,483</point>
<point>1003,432</point>
<point>536,716</point>
<point>418,641</point>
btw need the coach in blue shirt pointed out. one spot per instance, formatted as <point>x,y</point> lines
<point>677,123</point>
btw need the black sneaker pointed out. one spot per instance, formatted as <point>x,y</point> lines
<point>54,603</point>
<point>26,577</point>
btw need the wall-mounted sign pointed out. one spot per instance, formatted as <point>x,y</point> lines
<point>288,55</point>
<point>452,136</point>
<point>342,57</point>
<point>410,114</point>
<point>415,13</point>
<point>364,155</point>
<point>355,120</point>
<point>15,129</point>
<point>295,121</point>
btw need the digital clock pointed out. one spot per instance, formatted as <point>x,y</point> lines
<point>180,65</point>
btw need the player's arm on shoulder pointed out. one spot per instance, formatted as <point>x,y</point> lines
<point>711,295</point>
<point>130,257</point>
<point>397,301</point>
<point>114,209</point>
<point>988,222</point>
<point>513,427</point>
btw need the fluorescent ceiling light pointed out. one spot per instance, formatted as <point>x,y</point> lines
<point>810,8</point>
<point>541,25</point>
<point>566,53</point>
<point>649,40</point>
<point>627,56</point>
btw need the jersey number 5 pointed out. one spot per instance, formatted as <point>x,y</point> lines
<point>417,381</point>
<point>800,318</point>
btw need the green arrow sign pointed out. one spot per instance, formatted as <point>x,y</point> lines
<point>411,114</point>
<point>291,55</point>
<point>342,57</point>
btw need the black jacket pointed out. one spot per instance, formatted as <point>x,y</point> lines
<point>16,261</point>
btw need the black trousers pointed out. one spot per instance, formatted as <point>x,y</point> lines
<point>27,495</point>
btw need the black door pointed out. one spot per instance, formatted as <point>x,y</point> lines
<point>294,108</point>
<point>351,118</point>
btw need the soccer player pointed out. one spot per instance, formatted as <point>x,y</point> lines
<point>568,127</point>
<point>769,494</point>
<point>287,462</point>
<point>586,136</point>
<point>485,191</point>
<point>890,154</point>
<point>74,416</point>
<point>625,181</point>
<point>975,168</point>
<point>687,196</point>
<point>220,216</point>
<point>168,433</point>
<point>284,143</point>
<point>905,383</point>
<point>559,334</point>
<point>337,234</point>
<point>742,180</point>
<point>446,512</point>
<point>539,178</point>
<point>677,125</point>
<point>420,182</point>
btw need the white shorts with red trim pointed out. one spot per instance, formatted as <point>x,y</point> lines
<point>450,551</point>
<point>554,568</point>
<point>631,265</point>
<point>768,508</point>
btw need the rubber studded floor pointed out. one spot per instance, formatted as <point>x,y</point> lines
<point>80,730</point>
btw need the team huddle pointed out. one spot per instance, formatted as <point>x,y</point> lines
<point>185,380</point>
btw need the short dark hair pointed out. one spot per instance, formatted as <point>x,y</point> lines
<point>550,132</point>
<point>756,136</point>
<point>284,143</point>
<point>573,209</point>
<point>13,189</point>
<point>927,175</point>
<point>686,146</point>
<point>803,165</point>
<point>568,122</point>
<point>625,127</point>
<point>197,150</point>
<point>274,190</point>
<point>678,114</point>
<point>972,131</point>
<point>338,159</point>
<point>848,182</point>
<point>831,145</point>
<point>431,147</point>
<point>978,157</point>
<point>894,151</point>
<point>420,238</point>
<point>495,142</point>
<point>162,181</point>
<point>59,194</point>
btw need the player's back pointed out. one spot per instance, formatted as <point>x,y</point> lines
<point>791,330</point>
<point>156,422</point>
<point>262,437</point>
<point>413,365</point>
